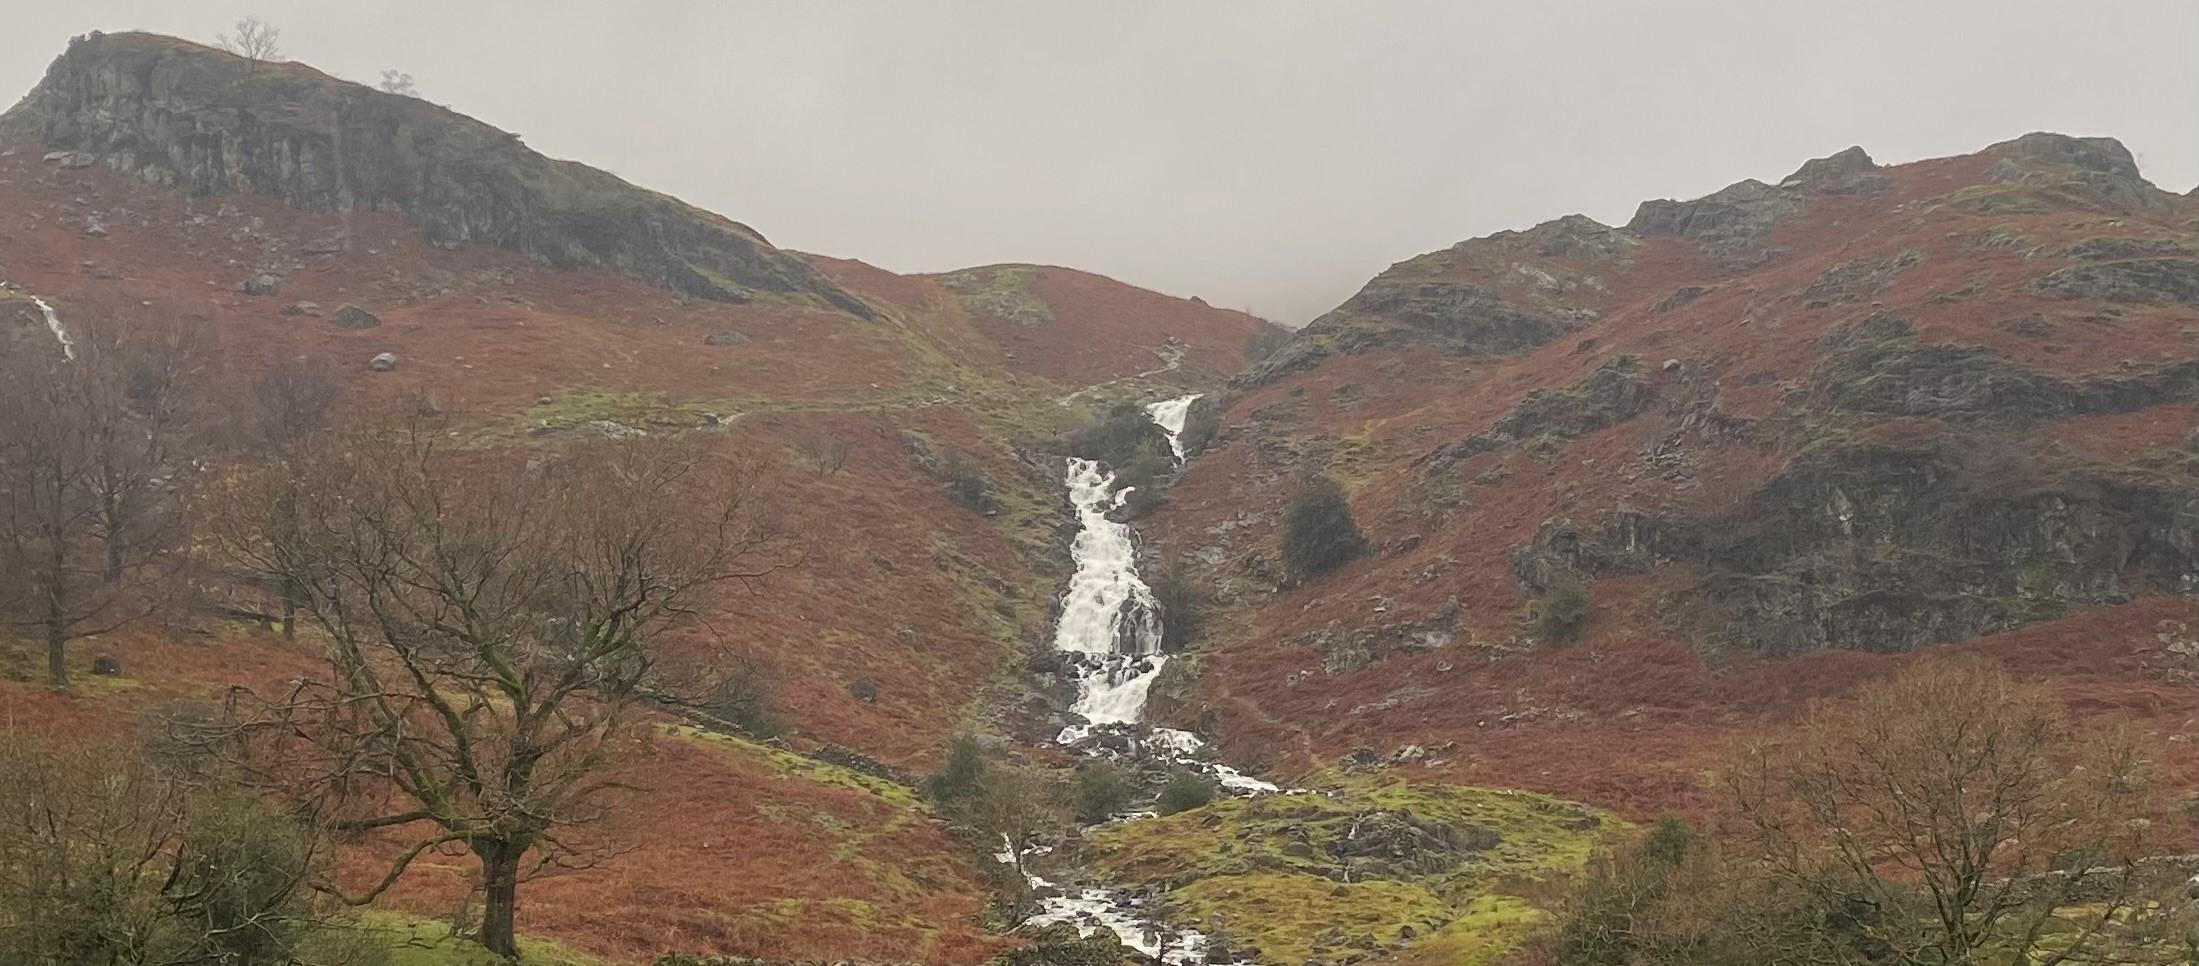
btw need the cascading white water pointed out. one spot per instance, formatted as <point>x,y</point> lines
<point>1108,617</point>
<point>1111,623</point>
<point>53,324</point>
<point>1169,415</point>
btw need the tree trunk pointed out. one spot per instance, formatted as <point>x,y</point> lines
<point>500,883</point>
<point>290,609</point>
<point>57,614</point>
<point>57,655</point>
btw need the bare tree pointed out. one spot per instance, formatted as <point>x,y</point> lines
<point>1014,806</point>
<point>399,83</point>
<point>291,403</point>
<point>105,858</point>
<point>1947,817</point>
<point>827,453</point>
<point>494,628</point>
<point>1950,814</point>
<point>256,40</point>
<point>88,505</point>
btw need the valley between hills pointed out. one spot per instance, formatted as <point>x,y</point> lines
<point>596,567</point>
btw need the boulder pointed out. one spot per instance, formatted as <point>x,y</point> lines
<point>353,317</point>
<point>264,283</point>
<point>384,362</point>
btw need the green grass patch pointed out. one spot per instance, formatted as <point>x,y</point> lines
<point>1002,292</point>
<point>804,767</point>
<point>411,941</point>
<point>1366,863</point>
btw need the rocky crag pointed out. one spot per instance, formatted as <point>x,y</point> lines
<point>208,122</point>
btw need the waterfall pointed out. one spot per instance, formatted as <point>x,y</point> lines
<point>53,324</point>
<point>1109,618</point>
<point>1109,636</point>
<point>1169,415</point>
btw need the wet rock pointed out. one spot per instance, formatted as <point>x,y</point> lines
<point>353,317</point>
<point>383,362</point>
<point>1394,844</point>
<point>1562,553</point>
<point>1942,519</point>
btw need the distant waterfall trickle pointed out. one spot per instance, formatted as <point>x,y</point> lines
<point>53,323</point>
<point>1169,415</point>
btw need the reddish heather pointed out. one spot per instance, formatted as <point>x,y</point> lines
<point>1633,716</point>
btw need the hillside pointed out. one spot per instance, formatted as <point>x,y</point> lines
<point>1772,438</point>
<point>149,183</point>
<point>1631,495</point>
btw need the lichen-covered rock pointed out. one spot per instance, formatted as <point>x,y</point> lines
<point>1617,391</point>
<point>1731,223</point>
<point>350,316</point>
<point>1849,171</point>
<point>207,122</point>
<point>2156,280</point>
<point>2099,172</point>
<point>1877,545</point>
<point>1877,366</point>
<point>1467,317</point>
<point>1852,281</point>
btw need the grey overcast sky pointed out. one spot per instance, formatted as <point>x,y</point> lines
<point>1269,156</point>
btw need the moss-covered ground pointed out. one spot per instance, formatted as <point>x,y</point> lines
<point>1301,875</point>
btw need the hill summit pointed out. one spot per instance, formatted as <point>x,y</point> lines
<point>205,121</point>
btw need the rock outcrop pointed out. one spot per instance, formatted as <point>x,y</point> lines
<point>208,122</point>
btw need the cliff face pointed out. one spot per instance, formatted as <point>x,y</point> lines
<point>207,122</point>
